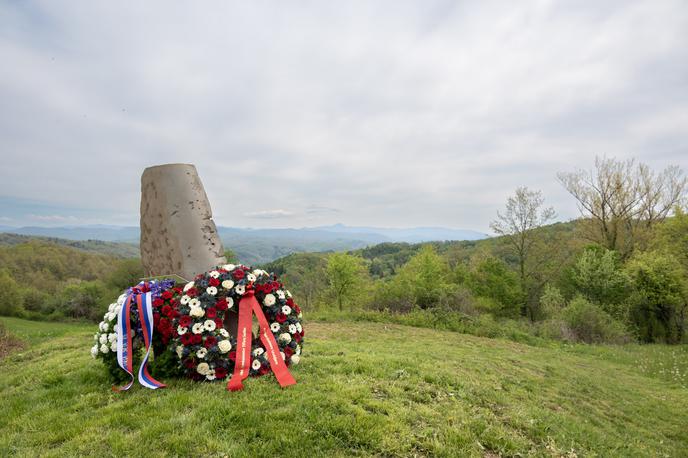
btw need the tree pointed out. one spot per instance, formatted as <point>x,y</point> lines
<point>620,200</point>
<point>524,213</point>
<point>597,275</point>
<point>490,277</point>
<point>344,273</point>
<point>425,276</point>
<point>11,298</point>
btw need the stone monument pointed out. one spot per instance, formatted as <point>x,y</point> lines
<point>178,235</point>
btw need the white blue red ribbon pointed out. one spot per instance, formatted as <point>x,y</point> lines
<point>125,355</point>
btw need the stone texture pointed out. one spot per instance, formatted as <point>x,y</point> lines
<point>178,235</point>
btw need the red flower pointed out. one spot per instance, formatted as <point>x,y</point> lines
<point>210,341</point>
<point>214,282</point>
<point>167,294</point>
<point>232,355</point>
<point>290,302</point>
<point>185,321</point>
<point>157,302</point>
<point>297,337</point>
<point>186,339</point>
<point>178,291</point>
<point>288,351</point>
<point>221,304</point>
<point>218,323</point>
<point>189,363</point>
<point>192,292</point>
<point>156,319</point>
<point>196,339</point>
<point>238,274</point>
<point>274,285</point>
<point>297,309</point>
<point>281,317</point>
<point>167,310</point>
<point>220,373</point>
<point>263,370</point>
<point>211,312</point>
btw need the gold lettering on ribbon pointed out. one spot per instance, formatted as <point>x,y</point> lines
<point>243,351</point>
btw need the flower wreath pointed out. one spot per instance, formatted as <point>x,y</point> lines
<point>205,349</point>
<point>105,346</point>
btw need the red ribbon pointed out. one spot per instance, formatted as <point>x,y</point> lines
<point>248,305</point>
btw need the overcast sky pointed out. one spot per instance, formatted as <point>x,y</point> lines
<point>398,113</point>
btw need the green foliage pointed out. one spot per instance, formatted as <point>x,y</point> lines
<point>588,323</point>
<point>659,302</point>
<point>10,297</point>
<point>345,274</point>
<point>425,277</point>
<point>491,277</point>
<point>598,276</point>
<point>552,301</point>
<point>305,274</point>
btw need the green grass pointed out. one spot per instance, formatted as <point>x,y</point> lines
<point>363,389</point>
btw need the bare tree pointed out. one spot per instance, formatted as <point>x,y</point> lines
<point>524,213</point>
<point>620,199</point>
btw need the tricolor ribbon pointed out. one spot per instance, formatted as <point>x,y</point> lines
<point>247,307</point>
<point>125,353</point>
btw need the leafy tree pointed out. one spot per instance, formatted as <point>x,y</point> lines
<point>552,301</point>
<point>490,277</point>
<point>11,298</point>
<point>524,213</point>
<point>620,200</point>
<point>659,303</point>
<point>345,274</point>
<point>598,276</point>
<point>589,323</point>
<point>425,276</point>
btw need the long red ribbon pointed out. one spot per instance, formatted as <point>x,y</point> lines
<point>248,305</point>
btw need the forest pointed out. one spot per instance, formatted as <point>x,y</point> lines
<point>617,274</point>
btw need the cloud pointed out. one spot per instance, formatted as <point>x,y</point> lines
<point>54,218</point>
<point>270,214</point>
<point>396,113</point>
<point>316,209</point>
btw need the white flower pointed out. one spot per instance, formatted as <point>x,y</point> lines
<point>292,329</point>
<point>196,312</point>
<point>103,339</point>
<point>112,306</point>
<point>223,332</point>
<point>211,290</point>
<point>94,350</point>
<point>283,355</point>
<point>258,351</point>
<point>285,337</point>
<point>288,293</point>
<point>230,302</point>
<point>110,316</point>
<point>299,328</point>
<point>117,309</point>
<point>210,375</point>
<point>184,300</point>
<point>258,272</point>
<point>194,303</point>
<point>112,337</point>
<point>121,299</point>
<point>214,273</point>
<point>180,349</point>
<point>224,346</point>
<point>181,330</point>
<point>104,348</point>
<point>209,325</point>
<point>228,267</point>
<point>201,353</point>
<point>295,359</point>
<point>298,350</point>
<point>197,328</point>
<point>240,290</point>
<point>269,300</point>
<point>188,286</point>
<point>280,294</point>
<point>274,327</point>
<point>113,347</point>
<point>104,326</point>
<point>255,364</point>
<point>286,309</point>
<point>203,368</point>
<point>251,277</point>
<point>227,284</point>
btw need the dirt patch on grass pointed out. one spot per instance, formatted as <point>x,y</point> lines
<point>8,342</point>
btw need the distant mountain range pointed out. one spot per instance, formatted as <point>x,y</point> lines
<point>256,246</point>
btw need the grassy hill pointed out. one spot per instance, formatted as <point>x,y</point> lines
<point>363,389</point>
<point>116,249</point>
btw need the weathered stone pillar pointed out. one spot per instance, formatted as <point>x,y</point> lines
<point>178,235</point>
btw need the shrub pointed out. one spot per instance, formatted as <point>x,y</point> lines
<point>589,323</point>
<point>552,301</point>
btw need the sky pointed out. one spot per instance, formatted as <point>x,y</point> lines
<point>377,113</point>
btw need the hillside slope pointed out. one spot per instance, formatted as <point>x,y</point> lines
<point>363,389</point>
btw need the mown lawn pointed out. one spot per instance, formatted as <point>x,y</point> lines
<point>363,389</point>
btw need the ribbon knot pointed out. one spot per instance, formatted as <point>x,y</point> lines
<point>248,306</point>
